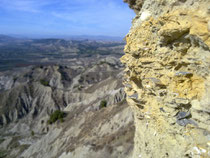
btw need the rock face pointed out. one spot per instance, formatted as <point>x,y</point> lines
<point>167,60</point>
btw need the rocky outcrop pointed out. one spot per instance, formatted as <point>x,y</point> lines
<point>167,73</point>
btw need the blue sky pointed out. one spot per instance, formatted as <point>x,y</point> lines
<point>65,17</point>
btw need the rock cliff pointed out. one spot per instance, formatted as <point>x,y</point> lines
<point>167,73</point>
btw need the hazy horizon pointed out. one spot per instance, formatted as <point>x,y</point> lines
<point>51,18</point>
<point>41,36</point>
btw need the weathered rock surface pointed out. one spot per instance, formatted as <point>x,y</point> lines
<point>167,60</point>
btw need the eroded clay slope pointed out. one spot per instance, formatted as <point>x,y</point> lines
<point>167,60</point>
<point>89,129</point>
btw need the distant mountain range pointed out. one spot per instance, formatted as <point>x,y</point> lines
<point>6,39</point>
<point>68,37</point>
<point>100,38</point>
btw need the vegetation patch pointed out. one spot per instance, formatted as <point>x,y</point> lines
<point>57,115</point>
<point>44,82</point>
<point>3,153</point>
<point>2,140</point>
<point>32,133</point>
<point>103,104</point>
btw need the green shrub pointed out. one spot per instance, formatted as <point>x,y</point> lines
<point>103,104</point>
<point>3,153</point>
<point>32,133</point>
<point>2,140</point>
<point>44,82</point>
<point>57,115</point>
<point>15,79</point>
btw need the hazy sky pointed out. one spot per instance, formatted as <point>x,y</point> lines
<point>65,17</point>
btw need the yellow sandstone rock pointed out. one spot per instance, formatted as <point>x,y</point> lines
<point>167,59</point>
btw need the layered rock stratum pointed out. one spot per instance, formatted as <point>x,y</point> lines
<point>167,60</point>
